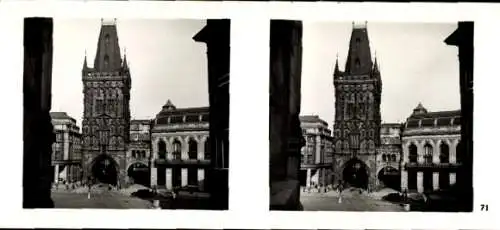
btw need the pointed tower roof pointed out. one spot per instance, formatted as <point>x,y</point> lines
<point>337,70</point>
<point>359,59</point>
<point>125,64</point>
<point>169,105</point>
<point>108,56</point>
<point>85,65</point>
<point>420,109</point>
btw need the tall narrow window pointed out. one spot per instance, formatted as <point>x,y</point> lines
<point>357,63</point>
<point>162,150</point>
<point>459,152</point>
<point>207,148</point>
<point>193,149</point>
<point>412,153</point>
<point>428,153</point>
<point>444,156</point>
<point>177,150</point>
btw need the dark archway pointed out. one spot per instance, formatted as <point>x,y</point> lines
<point>390,177</point>
<point>139,174</point>
<point>355,174</point>
<point>104,170</point>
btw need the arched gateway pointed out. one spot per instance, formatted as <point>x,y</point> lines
<point>355,174</point>
<point>390,177</point>
<point>105,169</point>
<point>139,174</point>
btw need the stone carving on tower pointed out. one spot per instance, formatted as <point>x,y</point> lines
<point>357,113</point>
<point>106,113</point>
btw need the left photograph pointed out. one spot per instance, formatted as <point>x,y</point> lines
<point>126,113</point>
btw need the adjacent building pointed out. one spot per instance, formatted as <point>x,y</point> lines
<point>139,152</point>
<point>316,156</point>
<point>180,147</point>
<point>431,150</point>
<point>389,156</point>
<point>67,152</point>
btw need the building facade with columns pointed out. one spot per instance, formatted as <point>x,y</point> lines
<point>180,148</point>
<point>67,151</point>
<point>389,156</point>
<point>139,152</point>
<point>430,144</point>
<point>316,156</point>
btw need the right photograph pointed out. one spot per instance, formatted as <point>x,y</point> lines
<point>371,116</point>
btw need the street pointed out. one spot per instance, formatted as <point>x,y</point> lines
<point>351,201</point>
<point>99,199</point>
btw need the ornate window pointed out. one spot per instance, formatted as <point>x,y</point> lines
<point>338,147</point>
<point>162,149</point>
<point>193,149</point>
<point>413,154</point>
<point>394,157</point>
<point>428,153</point>
<point>384,157</point>
<point>444,153</point>
<point>177,150</point>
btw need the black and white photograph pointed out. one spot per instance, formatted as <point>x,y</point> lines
<point>375,116</point>
<point>126,113</point>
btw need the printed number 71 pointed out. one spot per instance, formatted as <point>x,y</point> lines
<point>484,207</point>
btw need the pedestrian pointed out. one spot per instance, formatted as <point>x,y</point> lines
<point>340,188</point>
<point>89,187</point>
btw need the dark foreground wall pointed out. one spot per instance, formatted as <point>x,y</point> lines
<point>38,133</point>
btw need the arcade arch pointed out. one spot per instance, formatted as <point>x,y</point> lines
<point>138,173</point>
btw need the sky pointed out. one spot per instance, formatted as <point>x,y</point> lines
<point>165,63</point>
<point>415,65</point>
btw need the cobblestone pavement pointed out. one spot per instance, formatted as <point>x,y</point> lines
<point>98,199</point>
<point>350,202</point>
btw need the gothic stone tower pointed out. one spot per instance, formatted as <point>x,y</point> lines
<point>106,114</point>
<point>357,113</point>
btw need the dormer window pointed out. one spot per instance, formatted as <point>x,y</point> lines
<point>106,39</point>
<point>106,61</point>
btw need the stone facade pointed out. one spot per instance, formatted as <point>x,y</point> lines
<point>357,113</point>
<point>431,150</point>
<point>389,156</point>
<point>316,155</point>
<point>106,113</point>
<point>180,148</point>
<point>67,154</point>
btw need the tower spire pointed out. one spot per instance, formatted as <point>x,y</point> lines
<point>336,71</point>
<point>85,66</point>
<point>375,64</point>
<point>108,56</point>
<point>125,64</point>
<point>359,55</point>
